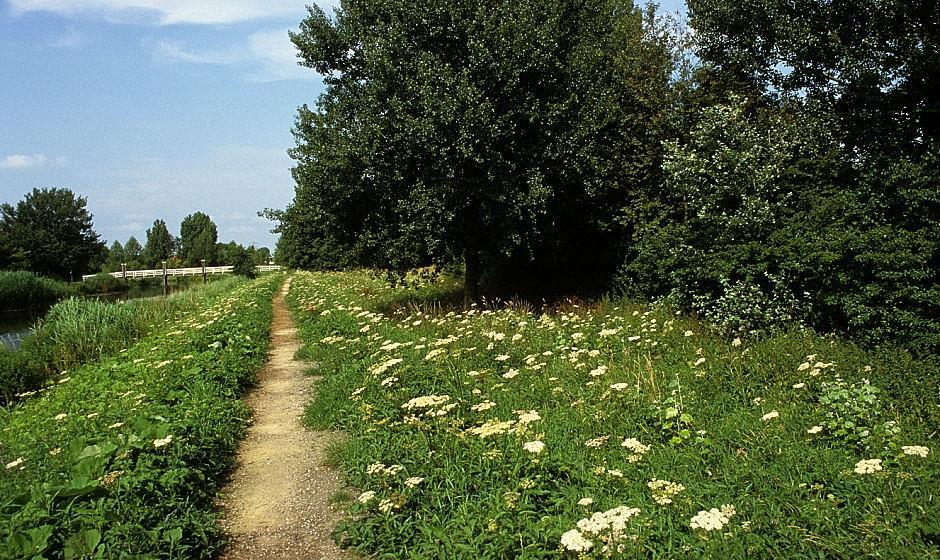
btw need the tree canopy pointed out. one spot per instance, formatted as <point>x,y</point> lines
<point>198,238</point>
<point>160,244</point>
<point>507,135</point>
<point>50,232</point>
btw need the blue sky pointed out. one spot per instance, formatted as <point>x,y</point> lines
<point>153,108</point>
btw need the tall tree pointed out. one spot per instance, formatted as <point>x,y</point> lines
<point>871,63</point>
<point>115,258</point>
<point>133,253</point>
<point>508,135</point>
<point>198,237</point>
<point>52,231</point>
<point>160,244</point>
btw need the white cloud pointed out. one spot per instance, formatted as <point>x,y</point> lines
<point>23,161</point>
<point>169,12</point>
<point>71,39</point>
<point>176,51</point>
<point>278,57</point>
<point>268,56</point>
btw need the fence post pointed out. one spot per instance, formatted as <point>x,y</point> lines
<point>166,280</point>
<point>205,280</point>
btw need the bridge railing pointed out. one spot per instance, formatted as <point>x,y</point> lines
<point>192,271</point>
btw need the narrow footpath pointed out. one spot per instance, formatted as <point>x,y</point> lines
<point>277,503</point>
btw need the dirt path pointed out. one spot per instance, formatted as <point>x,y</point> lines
<point>277,504</point>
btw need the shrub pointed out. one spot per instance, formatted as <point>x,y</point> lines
<point>24,290</point>
<point>764,221</point>
<point>103,284</point>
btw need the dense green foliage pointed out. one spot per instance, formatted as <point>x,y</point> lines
<point>123,458</point>
<point>77,331</point>
<point>102,283</point>
<point>198,238</point>
<point>777,166</point>
<point>505,135</point>
<point>22,290</point>
<point>50,233</point>
<point>242,262</point>
<point>160,246</point>
<point>489,433</point>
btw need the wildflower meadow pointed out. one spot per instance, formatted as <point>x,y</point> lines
<point>611,430</point>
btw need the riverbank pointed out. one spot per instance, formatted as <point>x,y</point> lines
<point>123,457</point>
<point>75,331</point>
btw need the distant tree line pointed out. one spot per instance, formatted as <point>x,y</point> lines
<point>50,232</point>
<point>779,164</point>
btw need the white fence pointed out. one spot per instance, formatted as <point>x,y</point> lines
<point>195,271</point>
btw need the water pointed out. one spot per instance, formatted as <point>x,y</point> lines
<point>14,327</point>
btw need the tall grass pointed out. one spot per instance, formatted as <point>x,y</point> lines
<point>77,331</point>
<point>24,290</point>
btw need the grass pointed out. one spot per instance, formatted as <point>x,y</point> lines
<point>24,290</point>
<point>532,435</point>
<point>76,331</point>
<point>122,458</point>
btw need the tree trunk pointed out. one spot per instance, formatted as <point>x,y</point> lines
<point>473,274</point>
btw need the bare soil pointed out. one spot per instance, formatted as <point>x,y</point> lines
<point>277,504</point>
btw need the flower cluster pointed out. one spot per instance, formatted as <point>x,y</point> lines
<point>664,491</point>
<point>606,527</point>
<point>714,519</point>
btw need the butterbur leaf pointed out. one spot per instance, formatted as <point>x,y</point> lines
<point>174,535</point>
<point>82,545</point>
<point>672,412</point>
<point>39,538</point>
<point>79,486</point>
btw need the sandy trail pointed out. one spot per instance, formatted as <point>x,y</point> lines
<point>277,503</point>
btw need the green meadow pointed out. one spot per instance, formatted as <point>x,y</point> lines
<point>611,430</point>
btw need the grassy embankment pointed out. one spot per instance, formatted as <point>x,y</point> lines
<point>75,331</point>
<point>25,290</point>
<point>123,457</point>
<point>614,430</point>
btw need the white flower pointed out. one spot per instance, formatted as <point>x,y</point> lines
<point>799,385</point>
<point>868,466</point>
<point>699,362</point>
<point>528,416</point>
<point>770,416</point>
<point>619,386</point>
<point>736,342</point>
<point>585,501</point>
<point>511,373</point>
<point>14,464</point>
<point>814,430</point>
<point>502,357</point>
<point>413,481</point>
<point>598,371</point>
<point>574,541</point>
<point>158,443</point>
<point>386,505</point>
<point>366,497</point>
<point>712,520</point>
<point>918,450</point>
<point>59,417</point>
<point>483,406</point>
<point>535,447</point>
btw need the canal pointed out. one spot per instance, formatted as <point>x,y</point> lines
<point>15,326</point>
